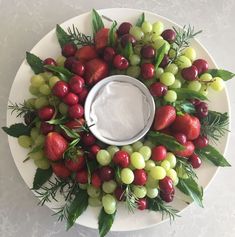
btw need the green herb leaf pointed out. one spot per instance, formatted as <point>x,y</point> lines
<point>211,154</point>
<point>190,187</point>
<point>112,34</point>
<point>184,93</point>
<point>105,222</point>
<point>62,36</point>
<point>77,207</point>
<point>97,22</point>
<point>61,72</point>
<point>168,141</point>
<point>160,55</point>
<point>69,132</point>
<point>186,106</point>
<point>35,63</point>
<point>36,149</point>
<point>183,167</point>
<point>91,166</point>
<point>140,20</point>
<point>224,74</point>
<point>128,50</point>
<point>17,129</point>
<point>41,177</point>
<point>58,121</point>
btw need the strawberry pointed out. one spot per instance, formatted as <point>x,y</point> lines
<point>95,70</point>
<point>187,124</point>
<point>55,146</point>
<point>188,151</point>
<point>60,170</point>
<point>75,164</point>
<point>101,38</point>
<point>86,53</point>
<point>164,117</point>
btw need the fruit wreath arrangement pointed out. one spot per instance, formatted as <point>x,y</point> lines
<point>71,161</point>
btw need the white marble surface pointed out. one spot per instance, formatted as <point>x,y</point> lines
<point>22,24</point>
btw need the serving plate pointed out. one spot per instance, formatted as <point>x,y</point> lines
<point>48,47</point>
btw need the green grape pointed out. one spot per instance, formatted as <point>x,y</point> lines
<point>134,59</point>
<point>63,108</point>
<point>173,68</point>
<point>137,160</point>
<point>152,192</point>
<point>149,144</point>
<point>137,49</point>
<point>109,203</point>
<point>205,77</point>
<point>147,38</point>
<point>156,37</point>
<point>127,176</point>
<point>93,192</point>
<point>181,173</point>
<point>204,90</point>
<point>139,191</point>
<point>83,186</point>
<point>41,102</point>
<point>158,27</point>
<point>159,42</point>
<point>25,141</point>
<point>171,158</point>
<point>149,164</point>
<point>183,62</point>
<point>167,78</point>
<point>194,85</point>
<point>151,182</point>
<point>42,164</point>
<point>112,150</point>
<point>30,103</point>
<point>190,53</point>
<point>146,152</point>
<point>37,80</point>
<point>34,133</point>
<point>109,186</point>
<point>166,164</point>
<point>94,202</point>
<point>136,32</point>
<point>60,61</point>
<point>217,84</point>
<point>46,75</point>
<point>45,89</point>
<point>34,90</point>
<point>53,80</point>
<point>172,53</point>
<point>158,72</point>
<point>170,96</point>
<point>172,174</point>
<point>40,140</point>
<point>176,84</point>
<point>176,181</point>
<point>133,71</point>
<point>54,101</point>
<point>128,149</point>
<point>38,155</point>
<point>137,145</point>
<point>103,157</point>
<point>158,172</point>
<point>146,27</point>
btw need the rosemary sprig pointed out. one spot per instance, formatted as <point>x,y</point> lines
<point>214,125</point>
<point>79,38</point>
<point>21,109</point>
<point>131,199</point>
<point>182,40</point>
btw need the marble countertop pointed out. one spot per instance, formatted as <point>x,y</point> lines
<point>22,24</point>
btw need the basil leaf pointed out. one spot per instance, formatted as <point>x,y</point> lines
<point>97,22</point>
<point>191,188</point>
<point>62,72</point>
<point>224,74</point>
<point>168,141</point>
<point>58,121</point>
<point>35,63</point>
<point>140,20</point>
<point>160,55</point>
<point>211,154</point>
<point>17,129</point>
<point>77,207</point>
<point>112,34</point>
<point>128,50</point>
<point>69,132</point>
<point>41,176</point>
<point>186,106</point>
<point>105,222</point>
<point>62,36</point>
<point>184,93</point>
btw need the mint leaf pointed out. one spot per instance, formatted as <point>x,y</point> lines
<point>224,74</point>
<point>34,62</point>
<point>62,36</point>
<point>211,154</point>
<point>184,93</point>
<point>77,207</point>
<point>41,176</point>
<point>160,55</point>
<point>61,72</point>
<point>112,34</point>
<point>163,139</point>
<point>17,129</point>
<point>140,20</point>
<point>105,222</point>
<point>97,22</point>
<point>191,188</point>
